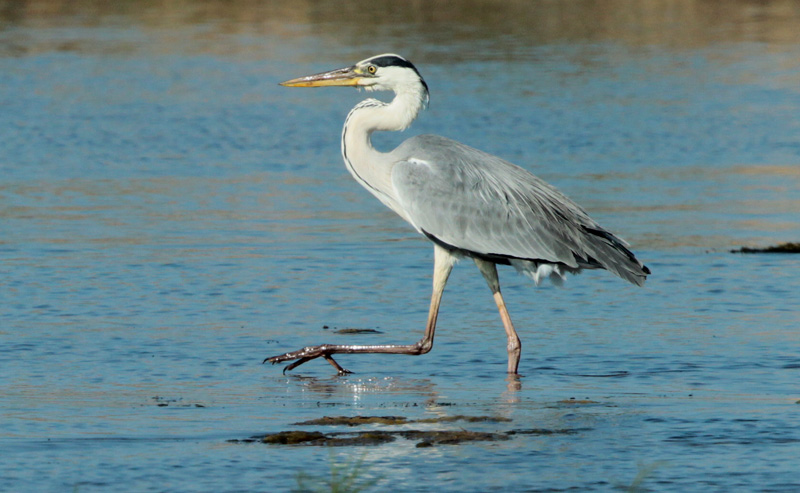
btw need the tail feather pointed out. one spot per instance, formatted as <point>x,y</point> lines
<point>612,254</point>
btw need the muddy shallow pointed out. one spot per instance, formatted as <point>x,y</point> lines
<point>424,438</point>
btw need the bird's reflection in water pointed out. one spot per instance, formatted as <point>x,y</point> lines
<point>355,389</point>
<point>392,392</point>
<point>513,388</point>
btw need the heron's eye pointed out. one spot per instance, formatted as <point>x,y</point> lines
<point>372,69</point>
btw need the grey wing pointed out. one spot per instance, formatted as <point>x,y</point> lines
<point>483,205</point>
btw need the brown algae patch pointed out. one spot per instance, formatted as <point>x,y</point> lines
<point>424,438</point>
<point>431,438</point>
<point>293,437</point>
<point>468,419</point>
<point>357,331</point>
<point>318,438</point>
<point>396,420</point>
<point>546,431</point>
<point>166,402</point>
<point>365,438</point>
<point>789,247</point>
<point>577,402</point>
<point>354,421</point>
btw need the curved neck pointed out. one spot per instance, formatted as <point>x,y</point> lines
<point>372,115</point>
<point>371,168</point>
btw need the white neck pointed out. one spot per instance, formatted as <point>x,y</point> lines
<point>372,168</point>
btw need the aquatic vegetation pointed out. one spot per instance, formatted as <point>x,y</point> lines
<point>293,437</point>
<point>354,420</point>
<point>357,331</point>
<point>644,472</point>
<point>395,420</point>
<point>424,438</point>
<point>344,477</point>
<point>789,247</point>
<point>337,439</point>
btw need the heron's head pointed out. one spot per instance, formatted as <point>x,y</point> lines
<point>387,72</point>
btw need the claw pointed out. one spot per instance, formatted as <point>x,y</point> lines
<point>341,371</point>
<point>288,356</point>
<point>304,355</point>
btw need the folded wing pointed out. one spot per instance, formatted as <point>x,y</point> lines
<point>484,206</point>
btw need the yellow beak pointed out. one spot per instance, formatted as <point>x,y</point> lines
<point>339,77</point>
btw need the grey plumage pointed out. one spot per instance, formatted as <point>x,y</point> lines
<point>485,206</point>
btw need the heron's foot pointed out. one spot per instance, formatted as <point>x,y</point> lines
<point>307,354</point>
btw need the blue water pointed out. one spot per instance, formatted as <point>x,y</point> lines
<point>169,217</point>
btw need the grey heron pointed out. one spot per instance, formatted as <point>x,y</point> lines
<point>466,202</point>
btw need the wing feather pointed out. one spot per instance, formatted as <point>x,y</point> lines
<point>484,205</point>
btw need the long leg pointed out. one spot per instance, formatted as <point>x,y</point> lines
<point>442,265</point>
<point>489,271</point>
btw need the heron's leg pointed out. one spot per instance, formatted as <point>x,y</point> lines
<point>328,358</point>
<point>489,271</point>
<point>443,262</point>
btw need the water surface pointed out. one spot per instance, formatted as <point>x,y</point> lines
<point>169,216</point>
